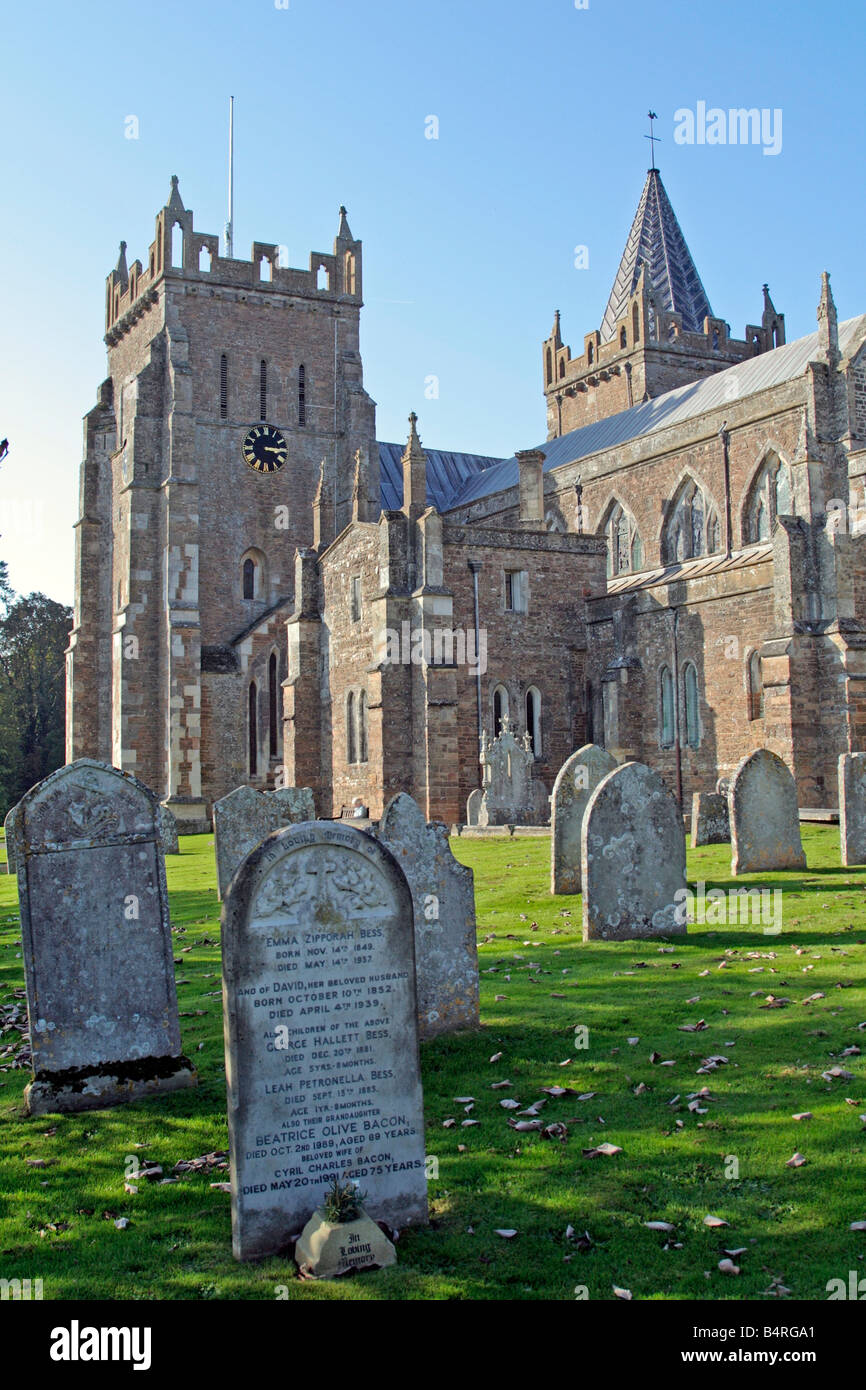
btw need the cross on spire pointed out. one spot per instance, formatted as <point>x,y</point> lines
<point>653,138</point>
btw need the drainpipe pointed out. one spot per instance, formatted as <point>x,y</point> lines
<point>725,437</point>
<point>475,566</point>
<point>678,754</point>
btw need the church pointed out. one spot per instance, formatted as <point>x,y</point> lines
<point>266,594</point>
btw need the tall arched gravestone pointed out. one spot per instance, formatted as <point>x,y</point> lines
<point>321,1033</point>
<point>634,858</point>
<point>765,820</point>
<point>443,898</point>
<point>9,832</point>
<point>97,942</point>
<point>852,807</point>
<point>242,819</point>
<point>575,783</point>
<point>473,806</point>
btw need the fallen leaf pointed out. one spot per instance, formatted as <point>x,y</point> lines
<point>524,1125</point>
<point>795,1161</point>
<point>499,1085</point>
<point>802,1115</point>
<point>659,1226</point>
<point>602,1151</point>
<point>624,1294</point>
<point>714,1221</point>
<point>497,1057</point>
<point>510,1104</point>
<point>728,1267</point>
<point>507,1233</point>
<point>121,1223</point>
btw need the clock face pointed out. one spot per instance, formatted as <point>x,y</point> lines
<point>264,448</point>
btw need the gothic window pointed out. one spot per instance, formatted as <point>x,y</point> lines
<point>224,387</point>
<point>590,354</point>
<point>272,705</point>
<point>355,598</point>
<point>322,279</point>
<point>549,366</point>
<point>623,337</point>
<point>691,704</point>
<point>562,366</point>
<point>755,682</point>
<point>177,244</point>
<point>516,591</point>
<point>263,390</point>
<point>533,719</point>
<point>362,727</point>
<point>350,273</point>
<point>635,323</point>
<point>692,528</point>
<point>624,548</point>
<point>205,259</point>
<point>249,578</point>
<point>302,395</point>
<point>252,728</point>
<point>666,708</point>
<point>500,709</point>
<point>770,496</point>
<point>351,743</point>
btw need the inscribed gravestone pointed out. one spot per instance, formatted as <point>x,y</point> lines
<point>852,807</point>
<point>576,780</point>
<point>443,898</point>
<point>97,942</point>
<point>321,1033</point>
<point>765,821</point>
<point>510,793</point>
<point>473,806</point>
<point>633,858</point>
<point>168,830</point>
<point>9,832</point>
<point>710,820</point>
<point>242,819</point>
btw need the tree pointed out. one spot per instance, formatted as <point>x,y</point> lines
<point>33,636</point>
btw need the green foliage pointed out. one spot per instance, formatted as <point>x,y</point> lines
<point>57,1220</point>
<point>343,1202</point>
<point>34,632</point>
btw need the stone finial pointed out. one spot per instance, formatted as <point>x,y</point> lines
<point>344,232</point>
<point>175,202</point>
<point>357,501</point>
<point>555,333</point>
<point>121,270</point>
<point>530,487</point>
<point>414,463</point>
<point>828,328</point>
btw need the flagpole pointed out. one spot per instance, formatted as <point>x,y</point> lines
<point>229,224</point>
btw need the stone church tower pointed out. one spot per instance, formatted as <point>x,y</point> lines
<point>191,512</point>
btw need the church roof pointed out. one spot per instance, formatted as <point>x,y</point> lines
<point>447,472</point>
<point>684,403</point>
<point>656,238</point>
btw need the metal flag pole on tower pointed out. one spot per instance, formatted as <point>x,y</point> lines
<point>229,227</point>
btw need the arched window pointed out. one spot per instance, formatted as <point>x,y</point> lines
<point>549,365</point>
<point>249,578</point>
<point>635,323</point>
<point>177,244</point>
<point>770,495</point>
<point>205,259</point>
<point>323,279</point>
<point>263,390</point>
<point>350,273</point>
<point>624,549</point>
<point>623,337</point>
<point>562,366</point>
<point>500,709</point>
<point>224,387</point>
<point>362,727</point>
<point>755,685</point>
<point>351,742</point>
<point>302,395</point>
<point>272,705</point>
<point>533,719</point>
<point>252,728</point>
<point>692,527</point>
<point>590,354</point>
<point>666,708</point>
<point>691,703</point>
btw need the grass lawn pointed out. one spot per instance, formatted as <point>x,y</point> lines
<point>62,1178</point>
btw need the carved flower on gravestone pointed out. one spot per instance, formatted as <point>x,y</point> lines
<point>88,816</point>
<point>308,884</point>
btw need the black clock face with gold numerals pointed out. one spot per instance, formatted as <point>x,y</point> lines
<point>264,448</point>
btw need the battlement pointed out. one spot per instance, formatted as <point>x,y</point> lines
<point>647,353</point>
<point>178,250</point>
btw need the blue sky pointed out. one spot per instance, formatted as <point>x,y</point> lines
<point>468,239</point>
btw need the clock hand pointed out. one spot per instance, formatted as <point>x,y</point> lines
<point>272,448</point>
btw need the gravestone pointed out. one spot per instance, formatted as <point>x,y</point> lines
<point>321,1034</point>
<point>473,806</point>
<point>242,819</point>
<point>765,820</point>
<point>576,780</point>
<point>852,807</point>
<point>443,898</point>
<point>97,942</point>
<point>711,824</point>
<point>633,858</point>
<point>168,830</point>
<point>8,830</point>
<point>510,793</point>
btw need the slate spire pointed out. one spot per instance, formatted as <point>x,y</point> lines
<point>657,239</point>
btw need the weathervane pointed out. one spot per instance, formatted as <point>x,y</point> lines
<point>651,137</point>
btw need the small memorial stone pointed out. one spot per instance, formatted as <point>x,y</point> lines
<point>97,942</point>
<point>242,819</point>
<point>321,1034</point>
<point>710,820</point>
<point>765,820</point>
